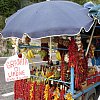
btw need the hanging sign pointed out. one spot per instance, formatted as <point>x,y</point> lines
<point>16,68</point>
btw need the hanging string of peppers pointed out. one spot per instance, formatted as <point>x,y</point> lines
<point>32,90</point>
<point>62,69</point>
<point>69,96</point>
<point>42,88</point>
<point>56,94</point>
<point>73,60</point>
<point>46,92</point>
<point>62,92</point>
<point>62,53</point>
<point>78,61</point>
<point>82,63</point>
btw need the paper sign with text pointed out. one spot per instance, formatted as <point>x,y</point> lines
<point>16,68</point>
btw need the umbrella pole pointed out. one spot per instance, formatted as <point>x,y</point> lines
<point>90,39</point>
<point>50,50</point>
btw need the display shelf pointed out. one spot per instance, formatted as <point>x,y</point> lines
<point>75,96</point>
<point>98,27</point>
<point>59,81</point>
<point>37,47</point>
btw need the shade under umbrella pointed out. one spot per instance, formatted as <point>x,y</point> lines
<point>49,18</point>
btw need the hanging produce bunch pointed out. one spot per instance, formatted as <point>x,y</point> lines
<point>58,56</point>
<point>22,89</point>
<point>91,51</point>
<point>69,96</point>
<point>45,51</point>
<point>40,89</point>
<point>83,66</point>
<point>63,73</point>
<point>73,60</point>
<point>77,60</point>
<point>30,54</point>
<point>32,89</point>
<point>61,41</point>
<point>62,44</point>
<point>73,54</point>
<point>42,53</point>
<point>56,94</point>
<point>62,92</point>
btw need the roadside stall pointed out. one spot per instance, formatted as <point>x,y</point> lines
<point>60,81</point>
<point>70,77</point>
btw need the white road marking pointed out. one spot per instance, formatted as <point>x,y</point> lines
<point>99,98</point>
<point>8,94</point>
<point>4,57</point>
<point>1,66</point>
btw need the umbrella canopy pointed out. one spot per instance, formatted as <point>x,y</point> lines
<point>49,18</point>
<point>94,10</point>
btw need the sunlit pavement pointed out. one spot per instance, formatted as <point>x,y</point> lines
<point>7,98</point>
<point>5,87</point>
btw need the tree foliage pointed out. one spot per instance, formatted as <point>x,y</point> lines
<point>8,7</point>
<point>2,22</point>
<point>84,1</point>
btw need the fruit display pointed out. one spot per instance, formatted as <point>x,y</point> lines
<point>46,92</point>
<point>61,41</point>
<point>42,53</point>
<point>48,81</point>
<point>46,72</point>
<point>63,73</point>
<point>45,55</point>
<point>30,54</point>
<point>33,90</point>
<point>91,51</point>
<point>56,94</point>
<point>69,96</point>
<point>58,56</point>
<point>66,58</point>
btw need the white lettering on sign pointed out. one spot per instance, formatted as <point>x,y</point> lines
<point>16,68</point>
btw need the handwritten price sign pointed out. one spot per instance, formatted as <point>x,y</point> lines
<point>16,68</point>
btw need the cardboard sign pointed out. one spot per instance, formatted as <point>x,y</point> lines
<point>16,68</point>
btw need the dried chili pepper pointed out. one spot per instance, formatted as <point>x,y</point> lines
<point>62,92</point>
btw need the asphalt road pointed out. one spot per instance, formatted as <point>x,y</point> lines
<point>6,88</point>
